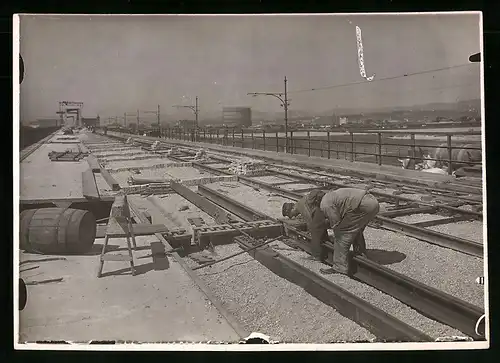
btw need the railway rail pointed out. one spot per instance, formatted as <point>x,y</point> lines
<point>412,206</point>
<point>425,299</point>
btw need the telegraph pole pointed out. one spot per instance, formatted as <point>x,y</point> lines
<point>285,102</point>
<point>157,113</point>
<point>196,111</point>
<point>125,117</point>
<point>194,108</point>
<point>158,116</point>
<point>286,118</point>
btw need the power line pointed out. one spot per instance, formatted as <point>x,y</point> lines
<point>382,79</point>
<point>429,89</point>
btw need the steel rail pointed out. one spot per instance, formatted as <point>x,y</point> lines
<point>438,192</point>
<point>430,302</point>
<point>382,325</point>
<point>409,187</point>
<point>382,194</point>
<point>433,237</point>
<point>458,186</point>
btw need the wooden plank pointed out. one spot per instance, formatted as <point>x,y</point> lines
<point>116,258</point>
<point>89,186</point>
<point>94,164</point>
<point>110,180</point>
<point>119,229</point>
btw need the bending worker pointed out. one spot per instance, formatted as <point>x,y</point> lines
<point>347,212</point>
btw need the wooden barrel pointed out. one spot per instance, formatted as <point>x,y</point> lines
<point>57,230</point>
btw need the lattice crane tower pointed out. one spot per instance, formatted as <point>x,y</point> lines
<point>67,108</point>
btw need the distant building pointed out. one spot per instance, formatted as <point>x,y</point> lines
<point>87,121</point>
<point>237,116</point>
<point>342,120</point>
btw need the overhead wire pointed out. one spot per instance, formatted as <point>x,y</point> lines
<point>382,79</point>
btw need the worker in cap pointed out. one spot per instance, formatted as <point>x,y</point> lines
<point>308,208</point>
<point>347,211</point>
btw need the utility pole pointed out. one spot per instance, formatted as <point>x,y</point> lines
<point>138,118</point>
<point>125,117</point>
<point>194,108</point>
<point>286,118</point>
<point>196,111</point>
<point>157,113</point>
<point>285,102</point>
<point>158,116</point>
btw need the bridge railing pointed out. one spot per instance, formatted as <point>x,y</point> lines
<point>380,147</point>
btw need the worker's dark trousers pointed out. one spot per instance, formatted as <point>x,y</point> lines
<point>350,231</point>
<point>319,234</point>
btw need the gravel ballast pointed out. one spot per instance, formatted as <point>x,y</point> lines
<point>266,303</point>
<point>444,269</point>
<point>420,217</point>
<point>447,270</point>
<point>373,296</point>
<point>471,230</point>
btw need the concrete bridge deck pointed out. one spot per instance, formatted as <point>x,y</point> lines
<point>163,302</point>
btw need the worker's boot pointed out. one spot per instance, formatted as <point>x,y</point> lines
<point>359,245</point>
<point>321,255</point>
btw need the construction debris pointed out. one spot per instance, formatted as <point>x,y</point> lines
<point>247,167</point>
<point>44,281</point>
<point>157,145</point>
<point>148,189</point>
<point>68,155</point>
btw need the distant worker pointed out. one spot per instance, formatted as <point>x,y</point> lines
<point>348,211</point>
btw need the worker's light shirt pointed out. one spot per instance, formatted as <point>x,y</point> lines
<point>336,203</point>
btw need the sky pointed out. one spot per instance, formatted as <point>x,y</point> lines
<point>118,64</point>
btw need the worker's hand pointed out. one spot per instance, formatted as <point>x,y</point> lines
<point>331,235</point>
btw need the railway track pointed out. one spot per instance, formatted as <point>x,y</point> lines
<point>428,301</point>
